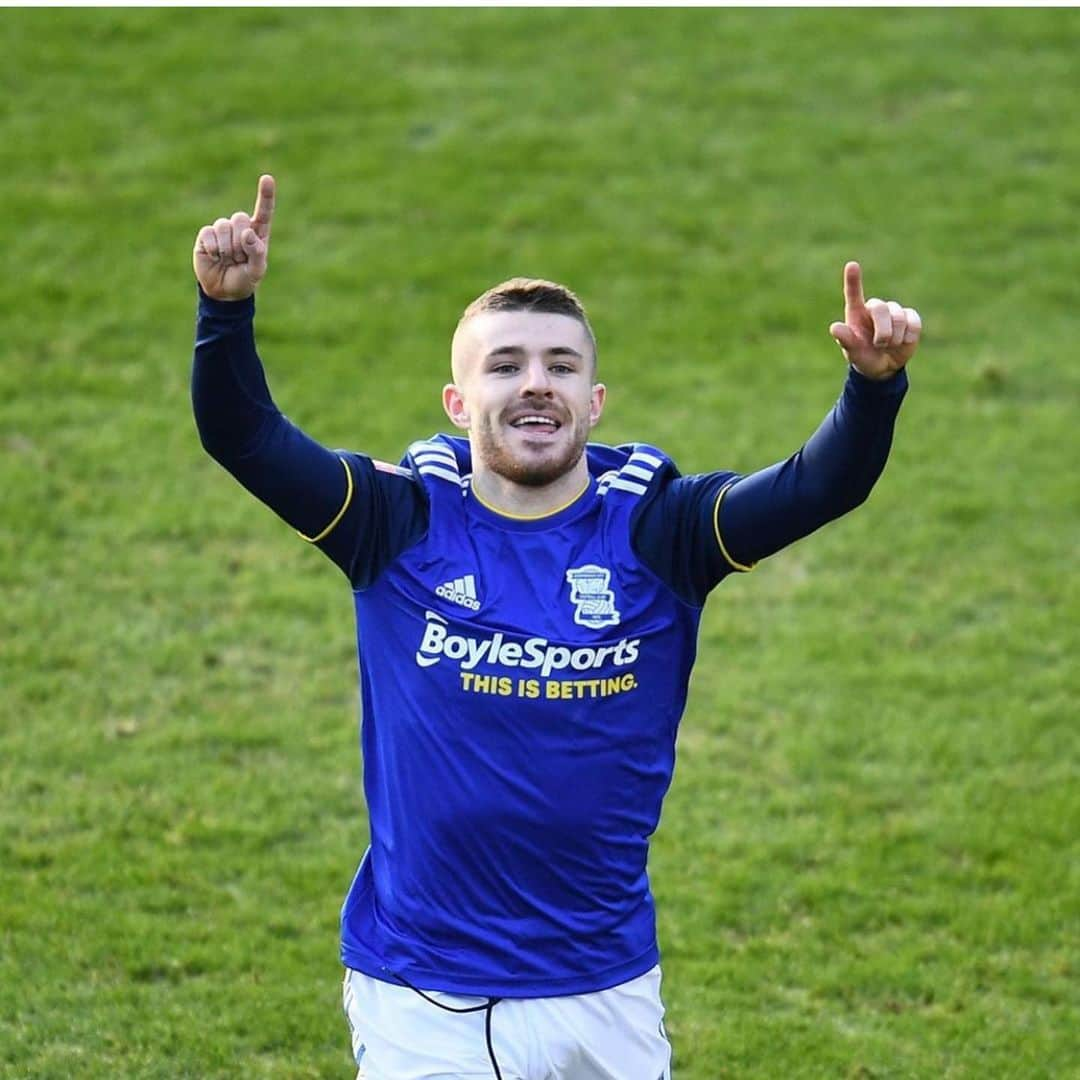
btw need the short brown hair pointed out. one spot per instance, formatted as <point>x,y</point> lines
<point>531,294</point>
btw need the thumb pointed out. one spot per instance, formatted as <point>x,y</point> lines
<point>844,335</point>
<point>255,250</point>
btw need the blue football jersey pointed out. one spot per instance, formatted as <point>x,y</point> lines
<point>522,681</point>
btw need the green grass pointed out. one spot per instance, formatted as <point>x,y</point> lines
<point>868,864</point>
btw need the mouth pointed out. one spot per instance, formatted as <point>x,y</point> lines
<point>536,424</point>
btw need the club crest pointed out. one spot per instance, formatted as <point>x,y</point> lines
<point>591,595</point>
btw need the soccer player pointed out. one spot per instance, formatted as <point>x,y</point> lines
<point>527,604</point>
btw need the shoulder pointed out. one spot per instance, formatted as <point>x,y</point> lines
<point>370,474</point>
<point>636,469</point>
<point>678,502</point>
<point>650,473</point>
<point>386,511</point>
<point>439,461</point>
<point>675,532</point>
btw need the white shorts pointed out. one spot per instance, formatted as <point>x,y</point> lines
<point>403,1034</point>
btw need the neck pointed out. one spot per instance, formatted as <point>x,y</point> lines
<point>520,500</point>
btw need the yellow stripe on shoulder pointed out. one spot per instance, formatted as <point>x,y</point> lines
<point>716,529</point>
<point>341,513</point>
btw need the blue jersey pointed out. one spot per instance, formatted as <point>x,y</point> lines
<point>521,680</point>
<point>522,683</point>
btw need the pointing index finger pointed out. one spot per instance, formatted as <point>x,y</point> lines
<point>853,290</point>
<point>264,207</point>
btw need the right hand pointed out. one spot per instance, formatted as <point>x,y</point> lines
<point>230,255</point>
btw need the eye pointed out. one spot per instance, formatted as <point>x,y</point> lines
<point>562,369</point>
<point>504,368</point>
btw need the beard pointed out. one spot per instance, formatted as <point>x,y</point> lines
<point>554,464</point>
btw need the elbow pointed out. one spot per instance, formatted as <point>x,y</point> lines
<point>827,498</point>
<point>209,438</point>
<point>229,435</point>
<point>219,441</point>
<point>212,442</point>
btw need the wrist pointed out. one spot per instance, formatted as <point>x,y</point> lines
<point>213,305</point>
<point>881,385</point>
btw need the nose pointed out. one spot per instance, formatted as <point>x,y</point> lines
<point>537,380</point>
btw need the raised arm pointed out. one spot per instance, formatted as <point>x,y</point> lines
<point>839,464</point>
<point>701,528</point>
<point>308,485</point>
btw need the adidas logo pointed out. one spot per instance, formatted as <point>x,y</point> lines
<point>461,591</point>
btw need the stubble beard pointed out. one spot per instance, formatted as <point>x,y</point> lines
<point>499,459</point>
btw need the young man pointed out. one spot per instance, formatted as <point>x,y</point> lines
<point>527,606</point>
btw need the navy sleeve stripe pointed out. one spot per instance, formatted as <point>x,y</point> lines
<point>434,457</point>
<point>623,485</point>
<point>634,476</point>
<point>440,472</point>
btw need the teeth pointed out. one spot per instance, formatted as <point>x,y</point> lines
<point>545,421</point>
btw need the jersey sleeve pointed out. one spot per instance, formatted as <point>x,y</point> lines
<point>698,529</point>
<point>387,514</point>
<point>830,475</point>
<point>674,533</point>
<point>359,515</point>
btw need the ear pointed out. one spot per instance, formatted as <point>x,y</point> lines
<point>596,403</point>
<point>454,404</point>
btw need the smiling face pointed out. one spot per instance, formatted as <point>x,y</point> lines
<point>523,390</point>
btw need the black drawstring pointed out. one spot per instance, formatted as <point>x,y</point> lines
<point>486,1008</point>
<point>487,1034</point>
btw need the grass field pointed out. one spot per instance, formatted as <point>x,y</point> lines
<point>868,864</point>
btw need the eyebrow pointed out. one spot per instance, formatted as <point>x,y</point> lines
<point>518,350</point>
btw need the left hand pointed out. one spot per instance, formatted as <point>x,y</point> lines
<point>878,337</point>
